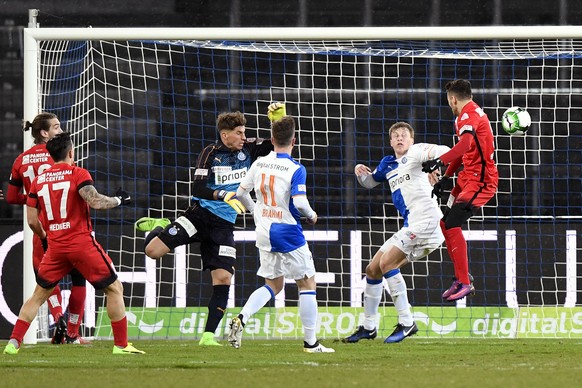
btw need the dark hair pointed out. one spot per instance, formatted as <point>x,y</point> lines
<point>401,124</point>
<point>461,88</point>
<point>59,146</point>
<point>40,122</point>
<point>230,120</point>
<point>283,131</point>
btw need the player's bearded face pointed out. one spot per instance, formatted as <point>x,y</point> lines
<point>234,139</point>
<point>453,104</point>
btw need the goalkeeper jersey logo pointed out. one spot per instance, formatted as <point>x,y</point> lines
<point>224,175</point>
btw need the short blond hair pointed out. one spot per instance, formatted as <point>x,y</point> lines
<point>401,124</point>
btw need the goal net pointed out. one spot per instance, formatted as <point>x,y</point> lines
<point>142,107</point>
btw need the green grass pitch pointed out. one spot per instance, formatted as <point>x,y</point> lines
<point>416,362</point>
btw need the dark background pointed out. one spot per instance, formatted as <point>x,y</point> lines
<point>540,281</point>
<point>260,13</point>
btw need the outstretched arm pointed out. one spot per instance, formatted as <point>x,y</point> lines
<point>457,152</point>
<point>100,201</point>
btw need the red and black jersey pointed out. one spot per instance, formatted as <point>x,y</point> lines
<point>26,167</point>
<point>64,214</point>
<point>476,147</point>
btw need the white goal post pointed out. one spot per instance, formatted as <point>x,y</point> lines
<point>347,89</point>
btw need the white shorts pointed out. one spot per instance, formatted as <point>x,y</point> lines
<point>296,265</point>
<point>416,241</point>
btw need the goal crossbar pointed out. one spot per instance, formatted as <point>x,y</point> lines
<point>313,33</point>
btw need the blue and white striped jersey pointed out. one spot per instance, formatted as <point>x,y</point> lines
<point>411,190</point>
<point>276,178</point>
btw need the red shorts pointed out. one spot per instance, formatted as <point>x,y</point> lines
<point>472,192</point>
<point>90,260</point>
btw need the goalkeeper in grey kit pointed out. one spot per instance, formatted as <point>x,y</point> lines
<point>210,219</point>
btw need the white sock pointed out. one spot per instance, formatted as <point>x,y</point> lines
<point>258,299</point>
<point>308,314</point>
<point>372,297</point>
<point>397,287</point>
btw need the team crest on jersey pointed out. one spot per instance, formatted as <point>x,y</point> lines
<point>410,235</point>
<point>241,156</point>
<point>404,160</point>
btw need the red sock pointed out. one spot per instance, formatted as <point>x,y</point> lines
<point>76,309</point>
<point>449,246</point>
<point>20,329</point>
<point>120,332</point>
<point>457,247</point>
<point>55,303</point>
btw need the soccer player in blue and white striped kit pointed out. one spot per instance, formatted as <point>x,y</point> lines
<point>421,234</point>
<point>279,184</point>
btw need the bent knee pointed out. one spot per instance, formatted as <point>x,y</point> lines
<point>156,249</point>
<point>116,288</point>
<point>373,271</point>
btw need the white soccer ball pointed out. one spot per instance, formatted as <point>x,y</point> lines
<point>516,121</point>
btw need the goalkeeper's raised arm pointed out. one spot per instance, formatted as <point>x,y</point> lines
<point>219,169</point>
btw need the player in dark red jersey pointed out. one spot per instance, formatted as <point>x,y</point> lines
<point>58,207</point>
<point>476,184</point>
<point>26,167</point>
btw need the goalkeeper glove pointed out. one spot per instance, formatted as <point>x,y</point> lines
<point>431,165</point>
<point>231,198</point>
<point>438,188</point>
<point>122,197</point>
<point>276,111</point>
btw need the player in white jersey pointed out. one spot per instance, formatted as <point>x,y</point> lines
<point>279,184</point>
<point>412,195</point>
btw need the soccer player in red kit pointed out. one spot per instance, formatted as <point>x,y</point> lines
<point>26,167</point>
<point>476,184</point>
<point>58,209</point>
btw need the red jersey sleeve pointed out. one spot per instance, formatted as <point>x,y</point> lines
<point>26,167</point>
<point>477,143</point>
<point>32,198</point>
<point>14,195</point>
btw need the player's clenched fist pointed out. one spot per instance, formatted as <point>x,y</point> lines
<point>276,111</point>
<point>122,197</point>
